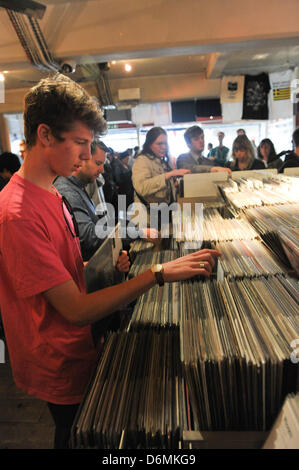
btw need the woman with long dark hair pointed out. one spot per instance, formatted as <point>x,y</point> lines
<point>152,175</point>
<point>267,153</point>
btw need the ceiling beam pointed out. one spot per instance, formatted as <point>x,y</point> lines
<point>223,48</point>
<point>216,64</point>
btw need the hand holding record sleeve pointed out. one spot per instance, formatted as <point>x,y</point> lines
<point>82,308</point>
<point>123,262</point>
<point>197,263</point>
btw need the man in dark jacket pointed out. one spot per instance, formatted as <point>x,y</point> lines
<point>292,158</point>
<point>9,164</point>
<point>86,214</point>
<point>193,160</point>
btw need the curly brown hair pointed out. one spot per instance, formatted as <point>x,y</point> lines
<point>58,102</point>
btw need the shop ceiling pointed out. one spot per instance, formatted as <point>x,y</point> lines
<point>170,61</point>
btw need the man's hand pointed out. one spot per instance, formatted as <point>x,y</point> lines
<point>123,263</point>
<point>217,169</point>
<point>198,263</point>
<point>83,309</point>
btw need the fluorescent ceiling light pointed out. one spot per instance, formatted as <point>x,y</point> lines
<point>260,56</point>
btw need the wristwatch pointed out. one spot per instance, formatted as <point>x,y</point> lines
<point>157,270</point>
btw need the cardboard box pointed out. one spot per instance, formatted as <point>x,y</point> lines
<point>258,174</point>
<point>203,185</point>
<point>291,171</point>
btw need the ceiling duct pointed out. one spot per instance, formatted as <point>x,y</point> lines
<point>27,7</point>
<point>32,40</point>
<point>103,87</point>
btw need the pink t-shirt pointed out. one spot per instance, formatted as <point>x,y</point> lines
<point>51,358</point>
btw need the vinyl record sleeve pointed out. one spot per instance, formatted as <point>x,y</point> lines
<point>100,269</point>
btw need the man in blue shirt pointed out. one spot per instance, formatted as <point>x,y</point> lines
<point>219,154</point>
<point>86,213</point>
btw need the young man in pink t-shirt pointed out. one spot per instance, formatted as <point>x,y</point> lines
<point>45,310</point>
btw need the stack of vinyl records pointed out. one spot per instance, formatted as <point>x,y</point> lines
<point>267,221</point>
<point>188,227</point>
<point>202,355</point>
<point>210,226</point>
<point>250,192</point>
<point>227,212</point>
<point>236,345</point>
<point>248,258</point>
<point>236,198</point>
<point>285,187</point>
<point>290,242</point>
<point>145,260</point>
<point>140,246</point>
<point>160,306</point>
<point>216,228</point>
<point>161,303</point>
<point>219,205</point>
<point>137,397</point>
<point>226,367</point>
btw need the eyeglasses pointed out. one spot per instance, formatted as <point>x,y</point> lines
<point>64,202</point>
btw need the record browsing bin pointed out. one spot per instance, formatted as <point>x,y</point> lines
<point>203,364</point>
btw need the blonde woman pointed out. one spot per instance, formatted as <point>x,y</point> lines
<point>244,156</point>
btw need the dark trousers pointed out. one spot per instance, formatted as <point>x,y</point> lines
<point>63,416</point>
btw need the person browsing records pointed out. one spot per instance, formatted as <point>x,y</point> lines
<point>45,309</point>
<point>194,160</point>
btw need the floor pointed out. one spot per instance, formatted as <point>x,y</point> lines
<point>25,421</point>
